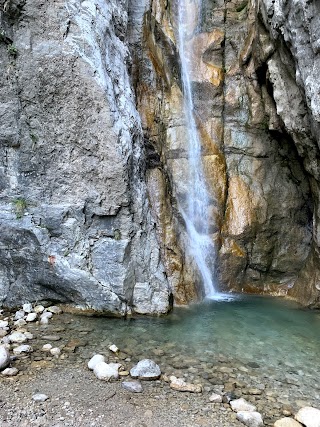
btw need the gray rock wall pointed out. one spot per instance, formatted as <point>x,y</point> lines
<point>75,223</point>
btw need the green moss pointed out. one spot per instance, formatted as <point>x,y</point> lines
<point>20,205</point>
<point>117,234</point>
<point>12,50</point>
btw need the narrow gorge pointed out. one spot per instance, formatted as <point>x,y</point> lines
<point>96,182</point>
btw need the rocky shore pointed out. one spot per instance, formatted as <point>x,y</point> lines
<point>55,373</point>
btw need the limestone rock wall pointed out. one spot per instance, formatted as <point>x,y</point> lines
<point>75,222</point>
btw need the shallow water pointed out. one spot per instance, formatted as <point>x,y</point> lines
<point>271,332</point>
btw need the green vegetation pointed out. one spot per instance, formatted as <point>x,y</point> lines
<point>20,205</point>
<point>117,234</point>
<point>241,6</point>
<point>12,50</point>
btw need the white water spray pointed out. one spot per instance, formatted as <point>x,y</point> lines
<point>196,214</point>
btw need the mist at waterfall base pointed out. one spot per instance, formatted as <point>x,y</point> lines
<point>195,213</point>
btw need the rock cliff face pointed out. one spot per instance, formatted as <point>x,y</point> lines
<point>93,153</point>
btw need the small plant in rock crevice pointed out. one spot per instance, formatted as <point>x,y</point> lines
<point>12,50</point>
<point>20,205</point>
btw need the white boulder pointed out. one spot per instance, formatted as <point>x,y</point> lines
<point>242,405</point>
<point>107,371</point>
<point>31,317</point>
<point>308,416</point>
<point>24,348</point>
<point>146,369</point>
<point>17,337</point>
<point>97,358</point>
<point>250,418</point>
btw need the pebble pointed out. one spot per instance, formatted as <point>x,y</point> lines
<point>17,337</point>
<point>55,351</point>
<point>54,309</point>
<point>107,371</point>
<point>146,369</point>
<point>287,422</point>
<point>241,405</point>
<point>215,398</point>
<point>179,384</point>
<point>4,357</point>
<point>27,308</point>
<point>250,419</point>
<point>133,386</point>
<point>46,347</point>
<point>4,323</point>
<point>39,309</point>
<point>24,348</point>
<point>51,338</point>
<point>31,317</point>
<point>113,348</point>
<point>45,316</point>
<point>308,416</point>
<point>97,358</point>
<point>20,322</point>
<point>10,372</point>
<point>19,315</point>
<point>3,333</point>
<point>40,397</point>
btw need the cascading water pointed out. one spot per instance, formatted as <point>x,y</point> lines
<point>196,211</point>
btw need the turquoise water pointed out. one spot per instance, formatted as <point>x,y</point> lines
<point>270,332</point>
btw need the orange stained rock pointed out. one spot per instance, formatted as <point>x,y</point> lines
<point>240,207</point>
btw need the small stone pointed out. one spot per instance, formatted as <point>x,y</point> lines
<point>10,372</point>
<point>54,309</point>
<point>51,338</point>
<point>19,315</point>
<point>254,391</point>
<point>40,397</point>
<point>308,416</point>
<point>287,422</point>
<point>241,405</point>
<point>17,337</point>
<point>4,357</point>
<point>3,333</point>
<point>31,317</point>
<point>55,351</point>
<point>250,419</point>
<point>106,372</point>
<point>44,318</point>
<point>28,335</point>
<point>179,384</point>
<point>39,309</point>
<point>20,322</point>
<point>27,308</point>
<point>215,398</point>
<point>4,323</point>
<point>133,386</point>
<point>97,358</point>
<point>23,349</point>
<point>113,348</point>
<point>46,347</point>
<point>146,369</point>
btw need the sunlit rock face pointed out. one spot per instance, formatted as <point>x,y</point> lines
<point>94,161</point>
<point>252,130</point>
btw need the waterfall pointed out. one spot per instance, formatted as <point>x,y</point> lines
<point>196,212</point>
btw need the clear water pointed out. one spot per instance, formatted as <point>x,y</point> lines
<point>196,212</point>
<point>281,338</point>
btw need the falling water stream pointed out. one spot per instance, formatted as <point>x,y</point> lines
<point>196,212</point>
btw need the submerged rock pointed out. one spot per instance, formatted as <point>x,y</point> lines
<point>309,416</point>
<point>146,369</point>
<point>18,337</point>
<point>23,349</point>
